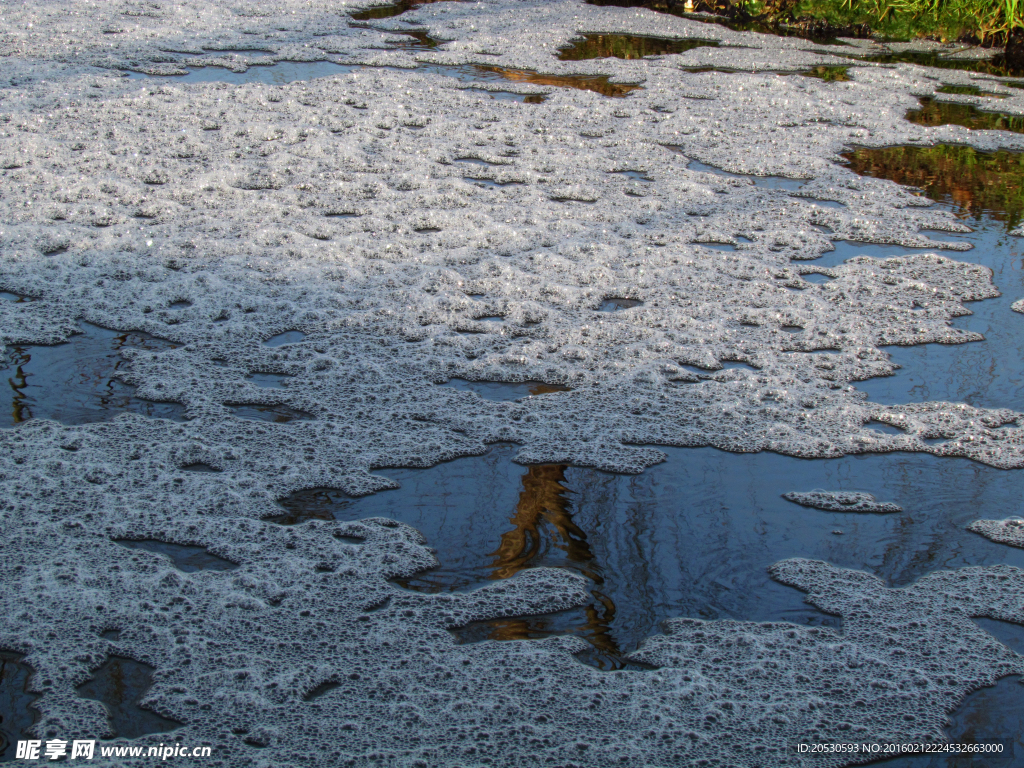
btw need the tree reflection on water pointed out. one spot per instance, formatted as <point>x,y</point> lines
<point>976,183</point>
<point>596,83</point>
<point>933,113</point>
<point>628,47</point>
<point>543,533</point>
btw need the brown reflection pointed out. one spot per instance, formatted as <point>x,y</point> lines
<point>20,410</point>
<point>420,41</point>
<point>628,47</point>
<point>596,83</point>
<point>542,521</point>
<point>594,627</point>
<point>933,113</point>
<point>975,182</point>
<point>543,503</point>
<point>546,389</point>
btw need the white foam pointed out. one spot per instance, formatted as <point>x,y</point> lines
<point>1009,531</point>
<point>842,501</point>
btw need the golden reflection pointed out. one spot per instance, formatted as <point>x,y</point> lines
<point>596,83</point>
<point>546,389</point>
<point>974,182</point>
<point>543,520</point>
<point>998,65</point>
<point>543,504</point>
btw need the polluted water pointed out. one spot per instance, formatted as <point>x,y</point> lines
<point>450,383</point>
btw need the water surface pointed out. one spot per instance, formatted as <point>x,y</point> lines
<point>970,90</point>
<point>75,382</point>
<point>505,390</point>
<point>997,65</point>
<point>829,74</point>
<point>628,47</point>
<point>975,184</point>
<point>986,192</point>
<point>934,112</point>
<point>693,536</point>
<point>16,715</point>
<point>120,684</point>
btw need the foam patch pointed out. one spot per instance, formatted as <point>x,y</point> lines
<point>842,501</point>
<point>1010,531</point>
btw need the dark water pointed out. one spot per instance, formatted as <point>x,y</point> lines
<point>990,715</point>
<point>615,305</point>
<point>185,558</point>
<point>15,715</point>
<point>200,467</point>
<point>522,98</point>
<point>933,113</point>
<point>278,414</point>
<point>691,537</point>
<point>484,73</point>
<point>986,193</point>
<point>312,504</point>
<point>74,382</point>
<point>848,249</point>
<point>628,47</point>
<point>418,40</point>
<point>819,33</point>
<point>503,390</point>
<point>269,380</point>
<point>997,65</point>
<point>288,337</point>
<point>490,183</point>
<point>970,90</point>
<point>120,685</point>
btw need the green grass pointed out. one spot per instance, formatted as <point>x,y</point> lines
<point>902,19</point>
